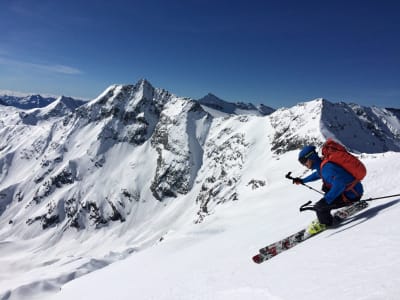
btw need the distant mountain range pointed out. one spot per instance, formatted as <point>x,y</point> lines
<point>217,106</point>
<point>26,102</point>
<point>210,102</point>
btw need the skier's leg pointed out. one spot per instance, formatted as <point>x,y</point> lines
<point>323,211</point>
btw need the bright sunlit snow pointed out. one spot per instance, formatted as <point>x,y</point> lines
<point>140,194</point>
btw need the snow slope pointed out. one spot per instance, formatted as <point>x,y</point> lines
<point>359,260</point>
<point>147,188</point>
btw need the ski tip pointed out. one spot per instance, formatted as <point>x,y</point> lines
<point>257,259</point>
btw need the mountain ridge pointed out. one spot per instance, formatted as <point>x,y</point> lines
<point>30,101</point>
<point>218,107</point>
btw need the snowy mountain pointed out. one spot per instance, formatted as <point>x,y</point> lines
<point>60,107</point>
<point>141,173</point>
<point>218,107</point>
<point>29,101</point>
<point>26,102</point>
<point>361,129</point>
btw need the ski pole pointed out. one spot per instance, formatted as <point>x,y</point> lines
<point>383,197</point>
<point>309,206</point>
<point>311,188</point>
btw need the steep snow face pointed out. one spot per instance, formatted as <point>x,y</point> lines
<point>179,139</point>
<point>225,155</point>
<point>297,126</point>
<point>90,184</point>
<point>62,173</point>
<point>362,129</point>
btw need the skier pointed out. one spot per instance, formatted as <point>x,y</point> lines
<point>340,187</point>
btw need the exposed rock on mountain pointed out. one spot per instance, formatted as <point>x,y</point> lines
<point>218,107</point>
<point>361,129</point>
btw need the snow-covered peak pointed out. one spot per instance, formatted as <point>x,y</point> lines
<point>59,108</point>
<point>361,129</point>
<point>147,88</point>
<point>296,126</point>
<point>62,106</point>
<point>129,97</point>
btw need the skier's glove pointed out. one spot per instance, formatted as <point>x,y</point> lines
<point>297,180</point>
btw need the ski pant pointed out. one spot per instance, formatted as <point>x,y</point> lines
<point>323,209</point>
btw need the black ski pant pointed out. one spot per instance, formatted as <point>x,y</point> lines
<point>323,209</point>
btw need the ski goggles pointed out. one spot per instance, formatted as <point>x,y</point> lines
<point>304,158</point>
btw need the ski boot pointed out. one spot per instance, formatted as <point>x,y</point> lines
<point>315,227</point>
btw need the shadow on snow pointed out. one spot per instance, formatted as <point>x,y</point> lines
<point>366,215</point>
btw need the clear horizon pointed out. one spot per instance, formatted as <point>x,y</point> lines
<point>274,53</point>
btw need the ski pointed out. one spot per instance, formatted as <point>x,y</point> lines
<point>278,247</point>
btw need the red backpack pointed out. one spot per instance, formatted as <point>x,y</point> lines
<point>334,152</point>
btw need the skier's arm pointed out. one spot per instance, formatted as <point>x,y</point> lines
<point>312,177</point>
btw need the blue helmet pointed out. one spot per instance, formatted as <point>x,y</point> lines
<point>308,152</point>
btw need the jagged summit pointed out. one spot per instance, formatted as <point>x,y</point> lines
<point>129,112</point>
<point>129,96</point>
<point>145,85</point>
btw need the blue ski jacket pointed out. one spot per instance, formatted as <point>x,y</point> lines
<point>337,179</point>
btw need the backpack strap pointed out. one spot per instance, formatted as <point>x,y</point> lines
<point>349,187</point>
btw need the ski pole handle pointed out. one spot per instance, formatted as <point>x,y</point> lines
<point>288,176</point>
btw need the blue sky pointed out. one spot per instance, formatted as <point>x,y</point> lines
<point>274,52</point>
